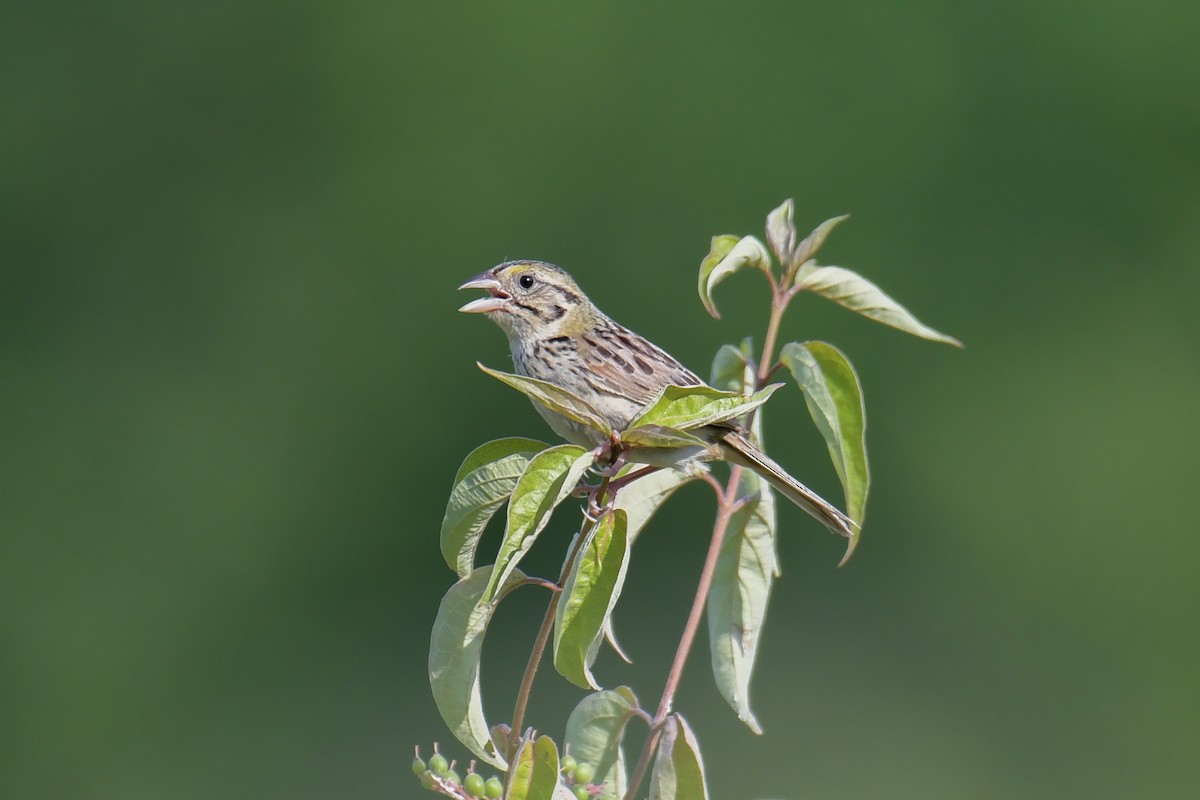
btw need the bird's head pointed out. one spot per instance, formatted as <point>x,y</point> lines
<point>530,298</point>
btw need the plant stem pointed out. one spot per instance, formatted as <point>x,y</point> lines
<point>725,504</point>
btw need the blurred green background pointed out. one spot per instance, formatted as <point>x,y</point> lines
<point>235,388</point>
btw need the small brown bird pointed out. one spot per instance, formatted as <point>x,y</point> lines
<point>559,336</point>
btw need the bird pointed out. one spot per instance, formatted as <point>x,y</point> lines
<point>558,335</point>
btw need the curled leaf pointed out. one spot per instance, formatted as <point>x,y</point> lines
<point>851,290</point>
<point>833,395</point>
<point>678,769</point>
<point>727,256</point>
<point>454,650</point>
<point>535,773</point>
<point>484,481</point>
<point>781,232</point>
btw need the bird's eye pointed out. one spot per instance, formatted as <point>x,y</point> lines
<point>526,281</point>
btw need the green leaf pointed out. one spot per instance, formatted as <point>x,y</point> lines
<point>484,481</point>
<point>727,255</point>
<point>594,732</point>
<point>834,399</point>
<point>737,599</point>
<point>535,774</point>
<point>640,499</point>
<point>454,650</point>
<point>678,769</point>
<point>851,290</point>
<point>781,232</point>
<point>733,368</point>
<point>689,407</point>
<point>548,478</point>
<point>588,598</point>
<point>554,398</point>
<point>657,436</point>
<point>812,243</point>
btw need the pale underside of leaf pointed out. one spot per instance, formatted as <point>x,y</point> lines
<point>594,732</point>
<point>781,232</point>
<point>484,481</point>
<point>833,395</point>
<point>727,255</point>
<point>454,652</point>
<point>851,290</point>
<point>678,768</point>
<point>554,398</point>
<point>738,597</point>
<point>640,500</point>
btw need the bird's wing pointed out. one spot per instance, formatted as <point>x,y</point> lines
<point>623,363</point>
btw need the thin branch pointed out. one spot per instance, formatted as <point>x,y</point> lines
<point>689,633</point>
<point>543,637</point>
<point>728,503</point>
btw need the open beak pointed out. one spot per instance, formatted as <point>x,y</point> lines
<point>497,300</point>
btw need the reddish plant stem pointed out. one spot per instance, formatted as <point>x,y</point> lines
<point>727,503</point>
<point>725,507</point>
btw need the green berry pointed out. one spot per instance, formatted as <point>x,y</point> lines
<point>493,788</point>
<point>418,767</point>
<point>452,777</point>
<point>427,781</point>
<point>568,764</point>
<point>474,784</point>
<point>438,765</point>
<point>581,792</point>
<point>584,773</point>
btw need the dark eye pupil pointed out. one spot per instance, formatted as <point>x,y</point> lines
<point>526,281</point>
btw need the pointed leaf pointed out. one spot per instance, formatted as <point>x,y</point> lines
<point>781,232</point>
<point>690,407</point>
<point>727,256</point>
<point>812,243</point>
<point>656,436</point>
<point>594,732</point>
<point>484,481</point>
<point>588,598</point>
<point>554,398</point>
<point>851,290</point>
<point>834,399</point>
<point>548,478</point>
<point>454,650</point>
<point>737,600</point>
<point>678,769</point>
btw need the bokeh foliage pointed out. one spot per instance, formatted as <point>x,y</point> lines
<point>231,235</point>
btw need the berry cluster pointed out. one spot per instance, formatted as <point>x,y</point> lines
<point>440,777</point>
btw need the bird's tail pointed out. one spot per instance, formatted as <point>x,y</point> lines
<point>736,448</point>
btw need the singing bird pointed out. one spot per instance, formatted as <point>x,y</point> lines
<point>559,336</point>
